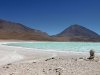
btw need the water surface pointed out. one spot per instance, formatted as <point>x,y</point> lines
<point>61,46</point>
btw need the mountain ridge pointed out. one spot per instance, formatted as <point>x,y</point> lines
<point>78,33</point>
<point>78,30</point>
<point>11,30</point>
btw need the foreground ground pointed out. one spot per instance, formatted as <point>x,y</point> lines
<point>25,61</point>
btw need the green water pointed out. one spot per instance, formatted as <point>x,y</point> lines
<point>60,46</point>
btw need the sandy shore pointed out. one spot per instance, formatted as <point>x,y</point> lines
<point>27,61</point>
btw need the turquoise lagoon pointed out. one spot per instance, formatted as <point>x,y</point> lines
<point>60,46</point>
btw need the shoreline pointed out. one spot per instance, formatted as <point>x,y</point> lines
<point>45,50</point>
<point>31,61</point>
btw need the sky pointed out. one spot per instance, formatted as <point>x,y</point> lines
<point>52,16</point>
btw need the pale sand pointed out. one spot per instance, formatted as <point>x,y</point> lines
<point>27,61</point>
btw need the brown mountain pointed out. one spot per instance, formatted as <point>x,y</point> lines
<point>77,33</point>
<point>10,30</point>
<point>17,31</point>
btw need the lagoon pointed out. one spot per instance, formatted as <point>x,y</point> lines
<point>60,46</point>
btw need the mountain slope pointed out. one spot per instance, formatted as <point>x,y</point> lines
<point>77,30</point>
<point>10,30</point>
<point>77,33</point>
<point>17,31</point>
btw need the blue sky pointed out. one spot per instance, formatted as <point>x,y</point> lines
<point>52,16</point>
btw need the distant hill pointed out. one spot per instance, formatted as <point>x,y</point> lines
<point>77,30</point>
<point>16,31</point>
<point>77,33</point>
<point>11,30</point>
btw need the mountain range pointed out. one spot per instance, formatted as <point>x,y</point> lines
<point>16,31</point>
